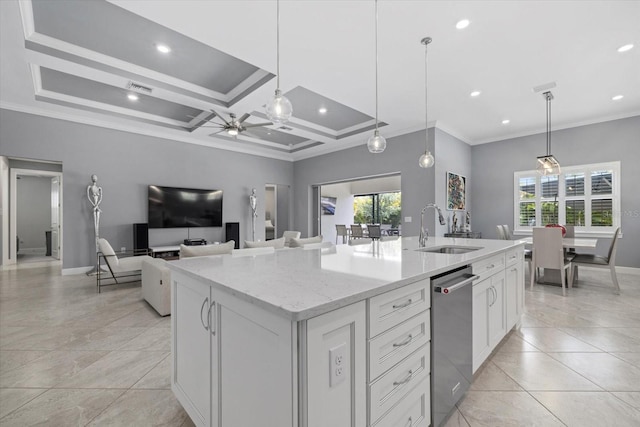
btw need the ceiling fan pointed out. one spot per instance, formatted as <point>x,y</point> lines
<point>234,126</point>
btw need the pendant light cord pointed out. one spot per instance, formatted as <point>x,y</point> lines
<point>277,44</point>
<point>376,65</point>
<point>426,115</point>
<point>548,124</point>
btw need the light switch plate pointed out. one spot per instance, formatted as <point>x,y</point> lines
<point>338,364</point>
<point>407,219</point>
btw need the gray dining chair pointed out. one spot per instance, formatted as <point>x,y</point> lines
<point>598,261</point>
<point>507,232</point>
<point>356,232</point>
<point>500,231</point>
<point>549,253</point>
<point>374,232</point>
<point>341,230</point>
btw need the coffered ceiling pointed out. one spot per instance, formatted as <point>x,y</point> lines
<point>82,60</point>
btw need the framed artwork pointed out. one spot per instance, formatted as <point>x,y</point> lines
<point>456,191</point>
<point>328,205</point>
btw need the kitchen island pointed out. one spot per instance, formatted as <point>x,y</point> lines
<point>331,336</point>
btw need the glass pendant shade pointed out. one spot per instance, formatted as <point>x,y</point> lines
<point>426,160</point>
<point>548,165</point>
<point>279,108</point>
<point>376,143</point>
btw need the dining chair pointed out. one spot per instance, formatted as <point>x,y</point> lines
<point>500,230</point>
<point>507,232</point>
<point>374,231</point>
<point>548,253</point>
<point>341,230</point>
<point>598,261</point>
<point>356,232</point>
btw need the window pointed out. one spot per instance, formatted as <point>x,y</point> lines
<point>587,197</point>
<point>379,208</point>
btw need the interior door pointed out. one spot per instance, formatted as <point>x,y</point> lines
<point>55,217</point>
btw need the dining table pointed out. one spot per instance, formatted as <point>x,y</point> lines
<point>552,276</point>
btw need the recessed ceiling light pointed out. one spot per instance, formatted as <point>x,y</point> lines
<point>462,24</point>
<point>506,121</point>
<point>163,48</point>
<point>617,97</point>
<point>322,110</point>
<point>475,93</point>
<point>132,97</point>
<point>625,48</point>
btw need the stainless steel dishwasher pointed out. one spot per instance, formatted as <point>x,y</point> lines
<point>451,340</point>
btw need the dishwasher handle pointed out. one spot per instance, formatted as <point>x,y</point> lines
<point>448,289</point>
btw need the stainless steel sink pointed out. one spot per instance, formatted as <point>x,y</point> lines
<point>449,249</point>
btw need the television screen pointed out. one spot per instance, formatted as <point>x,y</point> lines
<point>328,205</point>
<point>171,207</point>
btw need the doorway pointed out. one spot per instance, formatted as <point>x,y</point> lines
<point>35,218</point>
<point>276,210</point>
<point>374,200</point>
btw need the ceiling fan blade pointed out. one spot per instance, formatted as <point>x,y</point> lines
<point>221,118</point>
<point>254,125</point>
<point>215,133</point>
<point>244,117</point>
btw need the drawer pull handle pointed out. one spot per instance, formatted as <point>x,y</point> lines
<point>403,305</point>
<point>405,342</point>
<point>490,266</point>
<point>404,381</point>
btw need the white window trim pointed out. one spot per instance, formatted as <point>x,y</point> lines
<point>586,169</point>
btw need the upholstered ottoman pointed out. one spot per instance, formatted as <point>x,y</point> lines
<point>156,285</point>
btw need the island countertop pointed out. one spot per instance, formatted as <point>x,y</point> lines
<point>303,283</point>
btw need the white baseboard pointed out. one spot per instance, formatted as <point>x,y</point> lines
<point>32,251</point>
<point>619,269</point>
<point>76,270</point>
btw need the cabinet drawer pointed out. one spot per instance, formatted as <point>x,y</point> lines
<point>392,346</point>
<point>414,410</point>
<point>391,387</point>
<point>514,255</point>
<point>488,267</point>
<point>394,307</point>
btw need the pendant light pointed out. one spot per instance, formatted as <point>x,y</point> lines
<point>426,160</point>
<point>376,143</point>
<point>279,108</point>
<point>548,165</point>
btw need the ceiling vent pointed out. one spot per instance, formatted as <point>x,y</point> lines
<point>138,87</point>
<point>285,128</point>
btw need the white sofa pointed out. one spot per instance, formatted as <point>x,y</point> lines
<point>156,285</point>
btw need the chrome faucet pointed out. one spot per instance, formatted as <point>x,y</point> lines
<point>424,233</point>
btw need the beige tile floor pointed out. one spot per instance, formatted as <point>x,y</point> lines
<point>72,357</point>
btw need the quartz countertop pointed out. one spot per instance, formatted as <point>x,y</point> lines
<point>303,283</point>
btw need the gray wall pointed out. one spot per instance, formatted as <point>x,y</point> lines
<point>126,164</point>
<point>33,206</point>
<point>454,156</point>
<point>418,186</point>
<point>493,166</point>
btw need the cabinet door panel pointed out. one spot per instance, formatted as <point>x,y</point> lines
<point>497,321</point>
<point>514,294</point>
<point>191,363</point>
<point>481,299</point>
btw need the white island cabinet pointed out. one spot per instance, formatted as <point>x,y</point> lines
<point>336,336</point>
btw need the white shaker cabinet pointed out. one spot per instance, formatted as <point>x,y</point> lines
<point>193,349</point>
<point>514,283</point>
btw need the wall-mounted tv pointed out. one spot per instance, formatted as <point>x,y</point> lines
<point>328,205</point>
<point>171,207</point>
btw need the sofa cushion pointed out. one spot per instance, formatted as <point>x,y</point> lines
<point>206,250</point>
<point>275,243</point>
<point>298,243</point>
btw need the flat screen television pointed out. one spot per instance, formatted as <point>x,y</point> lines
<point>171,207</point>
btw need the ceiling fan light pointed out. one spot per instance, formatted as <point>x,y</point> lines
<point>232,131</point>
<point>279,108</point>
<point>426,160</point>
<point>376,143</point>
<point>548,165</point>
